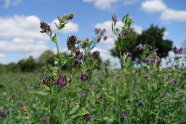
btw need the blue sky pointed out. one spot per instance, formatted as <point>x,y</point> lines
<point>19,30</point>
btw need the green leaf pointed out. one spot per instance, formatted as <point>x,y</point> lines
<point>74,109</point>
<point>54,38</point>
<point>39,93</point>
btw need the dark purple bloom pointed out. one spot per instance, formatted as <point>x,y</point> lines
<point>107,70</point>
<point>105,38</point>
<point>139,46</point>
<point>121,34</point>
<point>22,106</point>
<point>95,54</point>
<point>127,53</point>
<point>84,76</point>
<point>83,93</point>
<point>14,97</point>
<point>99,37</point>
<point>158,61</point>
<point>174,82</point>
<point>177,51</point>
<point>47,80</point>
<point>146,75</point>
<point>61,81</point>
<point>86,117</point>
<point>140,103</point>
<point>2,113</point>
<point>115,18</point>
<point>76,63</point>
<point>147,61</point>
<point>78,55</point>
<point>123,115</point>
<point>45,27</point>
<point>97,30</point>
<point>71,41</point>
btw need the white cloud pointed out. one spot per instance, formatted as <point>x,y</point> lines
<point>22,27</point>
<point>173,15</point>
<point>69,28</point>
<point>26,46</point>
<point>153,6</point>
<point>2,57</point>
<point>103,4</point>
<point>129,2</point>
<point>8,3</point>
<point>138,29</point>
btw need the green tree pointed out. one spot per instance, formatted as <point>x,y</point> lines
<point>45,56</point>
<point>28,65</point>
<point>152,36</point>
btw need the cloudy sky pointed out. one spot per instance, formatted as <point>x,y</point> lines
<point>20,34</point>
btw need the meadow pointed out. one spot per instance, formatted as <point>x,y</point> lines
<point>88,93</point>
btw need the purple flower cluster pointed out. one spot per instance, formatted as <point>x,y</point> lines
<point>61,82</point>
<point>174,82</point>
<point>84,76</point>
<point>177,50</point>
<point>71,41</point>
<point>78,55</point>
<point>123,115</point>
<point>95,54</point>
<point>2,113</point>
<point>146,75</point>
<point>115,18</point>
<point>97,30</point>
<point>121,34</point>
<point>14,97</point>
<point>76,63</point>
<point>86,117</point>
<point>139,46</point>
<point>47,81</point>
<point>127,54</point>
<point>83,93</point>
<point>45,27</point>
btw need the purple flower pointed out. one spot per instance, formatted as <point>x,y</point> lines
<point>47,80</point>
<point>23,106</point>
<point>78,55</point>
<point>158,61</point>
<point>61,81</point>
<point>105,38</point>
<point>115,18</point>
<point>83,93</point>
<point>177,51</point>
<point>71,41</point>
<point>97,30</point>
<point>84,76</point>
<point>76,63</point>
<point>99,37</point>
<point>2,113</point>
<point>174,82</point>
<point>95,54</point>
<point>121,34</point>
<point>146,75</point>
<point>45,27</point>
<point>127,53</point>
<point>14,97</point>
<point>147,61</point>
<point>86,117</point>
<point>123,115</point>
<point>139,46</point>
<point>140,103</point>
<point>107,70</point>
